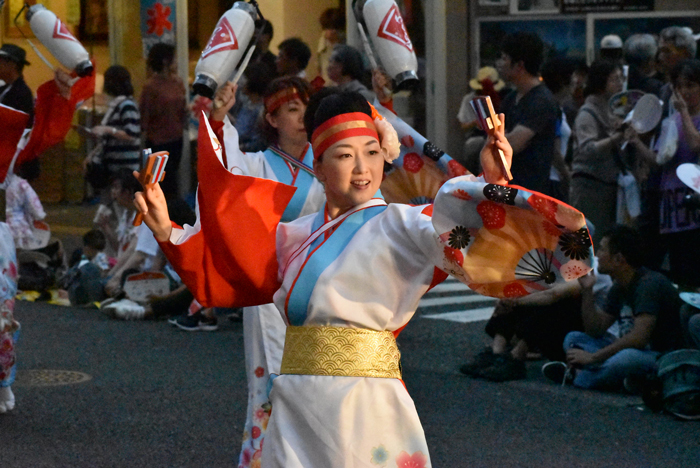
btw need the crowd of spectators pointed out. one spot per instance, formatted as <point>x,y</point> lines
<point>606,330</point>
<point>567,141</point>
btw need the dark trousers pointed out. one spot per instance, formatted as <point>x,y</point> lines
<point>174,304</point>
<point>542,327</point>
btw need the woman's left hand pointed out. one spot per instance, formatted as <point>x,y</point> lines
<point>490,156</point>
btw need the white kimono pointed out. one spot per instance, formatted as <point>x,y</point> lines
<point>373,280</point>
<point>366,269</point>
<point>263,328</point>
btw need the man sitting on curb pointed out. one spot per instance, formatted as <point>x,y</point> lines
<point>643,303</point>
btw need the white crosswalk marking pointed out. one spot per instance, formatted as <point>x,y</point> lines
<point>454,301</point>
<point>465,316</point>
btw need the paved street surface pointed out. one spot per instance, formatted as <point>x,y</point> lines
<point>158,397</point>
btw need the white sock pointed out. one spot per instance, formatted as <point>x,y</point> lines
<point>7,399</point>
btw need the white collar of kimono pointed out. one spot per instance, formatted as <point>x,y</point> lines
<point>330,224</point>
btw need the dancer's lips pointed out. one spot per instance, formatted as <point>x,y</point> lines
<point>361,184</point>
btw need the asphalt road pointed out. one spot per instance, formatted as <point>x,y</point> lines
<point>159,397</point>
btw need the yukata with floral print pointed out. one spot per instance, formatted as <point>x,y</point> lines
<point>263,328</point>
<point>22,209</point>
<point>9,327</point>
<point>353,273</point>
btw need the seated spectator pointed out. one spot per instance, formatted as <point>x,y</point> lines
<point>530,111</point>
<point>94,243</point>
<point>537,323</point>
<point>293,58</point>
<point>345,70</point>
<point>115,217</point>
<point>690,322</point>
<point>179,299</point>
<point>640,54</point>
<point>83,280</point>
<point>644,305</point>
<point>141,257</point>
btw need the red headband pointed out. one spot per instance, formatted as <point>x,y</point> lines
<point>272,103</point>
<point>340,127</point>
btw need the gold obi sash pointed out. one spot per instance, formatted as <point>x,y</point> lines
<point>339,351</point>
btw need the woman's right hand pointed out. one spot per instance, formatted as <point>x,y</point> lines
<point>154,209</point>
<point>224,100</point>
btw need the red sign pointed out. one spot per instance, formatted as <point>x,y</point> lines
<point>393,29</point>
<point>222,39</point>
<point>61,32</point>
<point>158,19</point>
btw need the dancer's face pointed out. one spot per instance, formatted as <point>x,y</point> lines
<point>288,119</point>
<point>351,171</point>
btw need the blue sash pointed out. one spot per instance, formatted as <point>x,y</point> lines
<point>303,181</point>
<point>318,261</point>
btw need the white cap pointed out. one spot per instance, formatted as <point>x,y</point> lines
<point>611,41</point>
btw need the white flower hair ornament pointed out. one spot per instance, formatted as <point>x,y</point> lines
<point>388,138</point>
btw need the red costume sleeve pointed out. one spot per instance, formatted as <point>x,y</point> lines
<point>231,261</point>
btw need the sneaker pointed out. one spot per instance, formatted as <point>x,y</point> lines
<point>124,309</point>
<point>504,368</point>
<point>196,322</point>
<point>558,372</point>
<point>481,361</point>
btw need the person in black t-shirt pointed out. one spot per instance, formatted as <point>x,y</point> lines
<point>531,111</point>
<point>644,306</point>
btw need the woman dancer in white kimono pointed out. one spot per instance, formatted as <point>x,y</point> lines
<point>347,280</point>
<point>289,161</point>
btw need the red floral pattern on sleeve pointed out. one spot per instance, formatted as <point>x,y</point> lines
<point>492,214</point>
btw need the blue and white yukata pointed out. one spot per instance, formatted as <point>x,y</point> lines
<point>263,328</point>
<point>367,270</point>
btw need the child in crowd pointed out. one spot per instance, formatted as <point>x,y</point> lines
<point>114,218</point>
<point>94,243</point>
<point>22,208</point>
<point>83,280</point>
